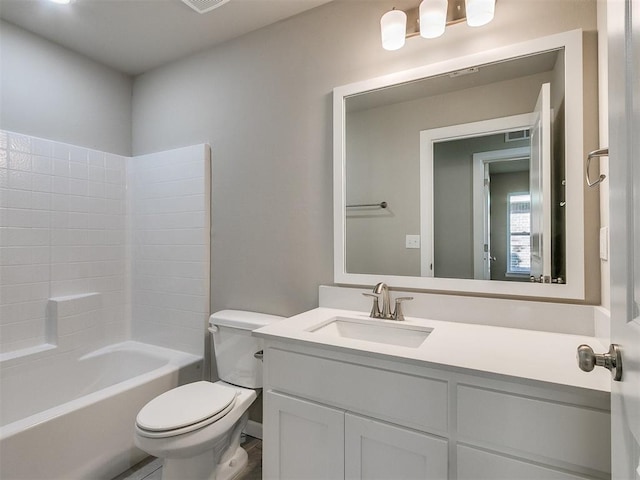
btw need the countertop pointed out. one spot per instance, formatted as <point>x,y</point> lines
<point>511,352</point>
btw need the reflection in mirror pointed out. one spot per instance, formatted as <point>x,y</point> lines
<point>490,230</point>
<point>471,165</point>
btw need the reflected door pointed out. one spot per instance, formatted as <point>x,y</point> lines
<point>540,185</point>
<point>486,222</point>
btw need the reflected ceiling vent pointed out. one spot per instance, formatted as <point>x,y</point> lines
<point>204,6</point>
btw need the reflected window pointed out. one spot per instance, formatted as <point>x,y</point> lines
<point>519,234</point>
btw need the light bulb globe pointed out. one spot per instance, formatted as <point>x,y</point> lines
<point>480,12</point>
<point>433,18</point>
<point>393,28</point>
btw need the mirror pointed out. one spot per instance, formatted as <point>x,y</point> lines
<point>465,175</point>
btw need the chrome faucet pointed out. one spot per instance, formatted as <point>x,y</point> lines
<point>382,290</point>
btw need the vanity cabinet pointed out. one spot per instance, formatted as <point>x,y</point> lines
<point>331,414</point>
<point>312,441</point>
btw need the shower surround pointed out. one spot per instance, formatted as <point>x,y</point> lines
<point>63,231</point>
<point>97,249</point>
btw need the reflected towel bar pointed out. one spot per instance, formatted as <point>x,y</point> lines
<point>381,205</point>
<point>603,152</point>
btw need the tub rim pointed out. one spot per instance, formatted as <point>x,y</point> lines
<point>175,360</point>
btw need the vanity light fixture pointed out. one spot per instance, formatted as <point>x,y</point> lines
<point>62,2</point>
<point>430,19</point>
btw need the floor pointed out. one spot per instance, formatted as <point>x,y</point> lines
<point>151,468</point>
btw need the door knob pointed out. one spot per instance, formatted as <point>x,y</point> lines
<point>612,360</point>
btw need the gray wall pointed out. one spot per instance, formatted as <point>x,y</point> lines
<point>263,102</point>
<point>50,92</point>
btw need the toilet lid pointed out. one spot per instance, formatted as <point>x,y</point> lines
<point>187,405</point>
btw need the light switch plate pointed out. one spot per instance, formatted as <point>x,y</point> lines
<point>604,243</point>
<point>412,241</point>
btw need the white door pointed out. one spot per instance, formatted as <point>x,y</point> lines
<point>623,19</point>
<point>540,185</point>
<point>377,450</point>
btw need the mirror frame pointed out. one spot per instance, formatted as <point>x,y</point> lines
<point>574,289</point>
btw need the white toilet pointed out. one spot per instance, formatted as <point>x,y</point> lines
<point>196,428</point>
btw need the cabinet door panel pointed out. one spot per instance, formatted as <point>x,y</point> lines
<point>303,440</point>
<point>479,465</point>
<point>376,450</point>
<point>538,429</point>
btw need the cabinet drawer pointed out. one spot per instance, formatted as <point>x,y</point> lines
<point>479,465</point>
<point>534,428</point>
<point>409,400</point>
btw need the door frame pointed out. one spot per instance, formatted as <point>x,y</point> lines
<point>481,230</point>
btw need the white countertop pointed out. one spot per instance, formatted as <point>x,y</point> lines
<point>526,354</point>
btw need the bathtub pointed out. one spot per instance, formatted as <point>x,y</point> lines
<point>73,418</point>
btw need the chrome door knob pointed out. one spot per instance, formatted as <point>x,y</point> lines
<point>612,360</point>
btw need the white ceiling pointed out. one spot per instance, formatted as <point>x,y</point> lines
<point>135,36</point>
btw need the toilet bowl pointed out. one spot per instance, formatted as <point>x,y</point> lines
<point>191,446</point>
<point>196,428</point>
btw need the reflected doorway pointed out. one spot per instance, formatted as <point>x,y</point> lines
<point>502,248</point>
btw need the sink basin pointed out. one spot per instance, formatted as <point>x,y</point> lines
<point>376,331</point>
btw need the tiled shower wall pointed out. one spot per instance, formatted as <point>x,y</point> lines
<point>69,228</point>
<point>170,247</point>
<point>62,232</point>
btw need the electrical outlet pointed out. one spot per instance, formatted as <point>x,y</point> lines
<point>412,241</point>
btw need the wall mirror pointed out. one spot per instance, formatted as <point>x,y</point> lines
<point>465,175</point>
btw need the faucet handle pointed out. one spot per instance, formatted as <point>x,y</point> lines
<point>375,309</point>
<point>397,312</point>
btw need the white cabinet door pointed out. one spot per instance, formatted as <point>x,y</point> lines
<point>303,440</point>
<point>376,450</point>
<point>476,464</point>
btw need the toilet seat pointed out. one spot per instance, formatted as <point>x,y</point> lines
<point>185,409</point>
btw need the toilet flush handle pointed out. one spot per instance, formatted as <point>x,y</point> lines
<point>259,355</point>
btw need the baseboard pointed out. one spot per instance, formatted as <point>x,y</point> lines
<point>253,429</point>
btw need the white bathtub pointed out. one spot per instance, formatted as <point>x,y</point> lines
<point>74,419</point>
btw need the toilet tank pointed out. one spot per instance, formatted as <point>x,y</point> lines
<point>234,347</point>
